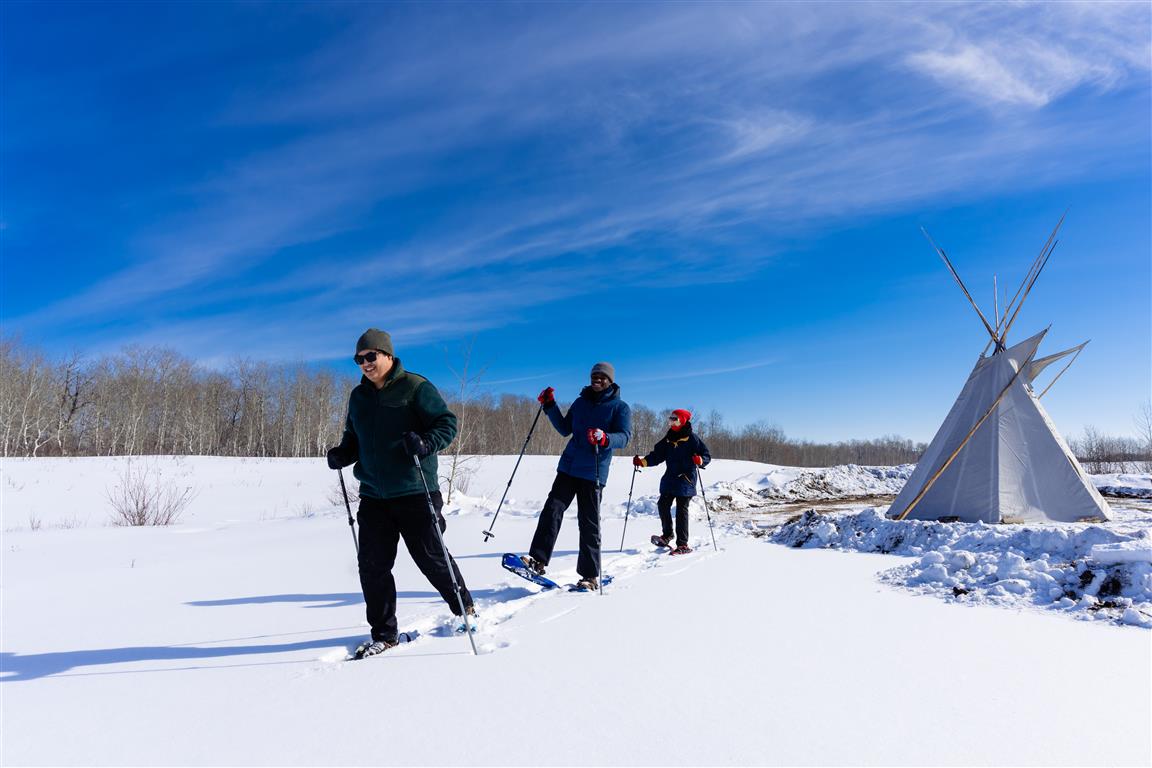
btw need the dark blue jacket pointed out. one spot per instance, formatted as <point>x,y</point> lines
<point>676,450</point>
<point>592,410</point>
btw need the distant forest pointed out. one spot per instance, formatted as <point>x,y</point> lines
<point>152,400</point>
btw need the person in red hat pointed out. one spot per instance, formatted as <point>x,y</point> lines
<point>683,454</point>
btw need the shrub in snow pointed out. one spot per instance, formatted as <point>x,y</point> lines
<point>140,499</point>
<point>336,493</point>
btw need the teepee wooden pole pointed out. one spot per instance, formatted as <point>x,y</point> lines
<point>1028,276</point>
<point>967,437</point>
<point>963,287</point>
<point>1028,290</point>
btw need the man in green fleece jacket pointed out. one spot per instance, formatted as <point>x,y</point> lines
<point>394,415</point>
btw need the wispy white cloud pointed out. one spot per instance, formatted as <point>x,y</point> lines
<point>979,71</point>
<point>692,372</point>
<point>1032,54</point>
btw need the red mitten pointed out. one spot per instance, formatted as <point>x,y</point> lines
<point>597,437</point>
<point>697,459</point>
<point>638,461</point>
<point>547,397</point>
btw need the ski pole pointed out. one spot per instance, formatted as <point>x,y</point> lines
<point>599,496</point>
<point>351,522</point>
<point>488,533</point>
<point>704,498</point>
<point>627,509</point>
<point>447,557</point>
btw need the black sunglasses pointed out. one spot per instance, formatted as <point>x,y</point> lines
<point>367,357</point>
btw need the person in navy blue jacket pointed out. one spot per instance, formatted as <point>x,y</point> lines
<point>598,423</point>
<point>682,452</point>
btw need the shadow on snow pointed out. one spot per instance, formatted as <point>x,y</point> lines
<point>16,667</point>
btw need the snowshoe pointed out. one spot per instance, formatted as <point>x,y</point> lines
<point>587,585</point>
<point>683,549</point>
<point>372,648</point>
<point>663,542</point>
<point>518,566</point>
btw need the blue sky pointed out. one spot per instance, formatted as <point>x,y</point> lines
<point>723,200</point>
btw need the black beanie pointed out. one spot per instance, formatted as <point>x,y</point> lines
<point>374,338</point>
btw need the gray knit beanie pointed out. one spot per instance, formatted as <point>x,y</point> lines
<point>374,338</point>
<point>605,368</point>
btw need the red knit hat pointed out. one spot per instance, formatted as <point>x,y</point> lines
<point>683,415</point>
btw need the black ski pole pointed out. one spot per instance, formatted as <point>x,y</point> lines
<point>627,509</point>
<point>599,496</point>
<point>351,522</point>
<point>447,557</point>
<point>488,533</point>
<point>704,498</point>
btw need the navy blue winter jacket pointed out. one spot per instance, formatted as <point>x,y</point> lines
<point>592,410</point>
<point>676,450</point>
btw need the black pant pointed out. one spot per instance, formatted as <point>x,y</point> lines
<point>664,506</point>
<point>564,489</point>
<point>382,523</point>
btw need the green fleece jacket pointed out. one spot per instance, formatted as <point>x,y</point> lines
<point>375,427</point>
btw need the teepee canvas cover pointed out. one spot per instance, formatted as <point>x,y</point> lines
<point>997,456</point>
<point>1015,466</point>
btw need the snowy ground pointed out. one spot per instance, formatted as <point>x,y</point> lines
<point>215,641</point>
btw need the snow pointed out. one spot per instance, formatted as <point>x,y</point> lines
<point>1139,551</point>
<point>1101,572</point>
<point>1124,485</point>
<point>216,640</point>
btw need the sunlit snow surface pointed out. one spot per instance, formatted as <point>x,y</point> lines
<point>219,640</point>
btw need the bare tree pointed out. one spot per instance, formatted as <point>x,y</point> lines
<point>470,429</point>
<point>1144,434</point>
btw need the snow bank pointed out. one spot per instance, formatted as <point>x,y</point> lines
<point>1122,552</point>
<point>1124,485</point>
<point>792,484</point>
<point>1091,571</point>
<point>851,481</point>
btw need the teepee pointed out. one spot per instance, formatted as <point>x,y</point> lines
<point>998,457</point>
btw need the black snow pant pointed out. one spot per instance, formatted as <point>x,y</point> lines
<point>664,506</point>
<point>564,489</point>
<point>382,523</point>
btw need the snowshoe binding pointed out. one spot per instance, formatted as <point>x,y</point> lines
<point>664,542</point>
<point>682,549</point>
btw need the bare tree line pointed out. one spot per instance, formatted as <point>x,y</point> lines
<point>1102,454</point>
<point>152,400</point>
<point>155,401</point>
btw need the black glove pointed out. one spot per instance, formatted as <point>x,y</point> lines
<point>337,458</point>
<point>416,445</point>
